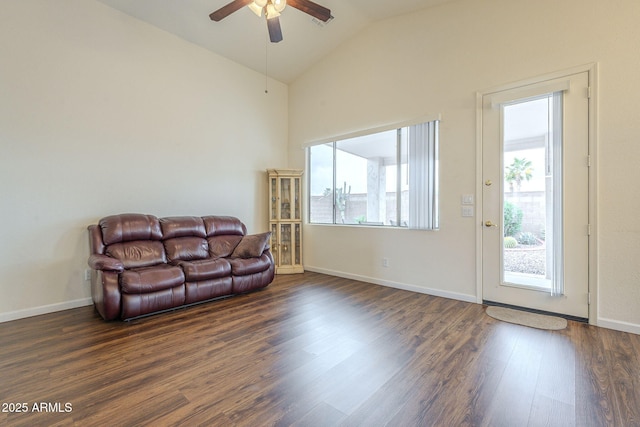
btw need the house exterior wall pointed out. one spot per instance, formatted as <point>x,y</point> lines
<point>532,204</point>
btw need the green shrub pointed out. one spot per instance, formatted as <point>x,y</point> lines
<point>512,219</point>
<point>510,242</point>
<point>526,238</point>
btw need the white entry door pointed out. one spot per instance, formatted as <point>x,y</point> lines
<point>535,201</point>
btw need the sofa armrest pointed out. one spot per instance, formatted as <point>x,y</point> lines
<point>105,263</point>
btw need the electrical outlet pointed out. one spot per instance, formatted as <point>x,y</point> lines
<point>87,274</point>
<point>385,262</point>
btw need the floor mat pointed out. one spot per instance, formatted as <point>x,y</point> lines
<point>526,318</point>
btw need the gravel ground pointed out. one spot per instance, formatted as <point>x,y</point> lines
<point>531,261</point>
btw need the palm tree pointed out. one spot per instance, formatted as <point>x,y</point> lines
<point>517,171</point>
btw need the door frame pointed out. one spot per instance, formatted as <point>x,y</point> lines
<point>592,70</point>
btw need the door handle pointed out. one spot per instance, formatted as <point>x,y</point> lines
<point>490,224</point>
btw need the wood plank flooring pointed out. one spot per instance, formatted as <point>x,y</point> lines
<point>315,350</point>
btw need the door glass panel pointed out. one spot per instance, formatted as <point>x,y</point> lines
<point>532,213</point>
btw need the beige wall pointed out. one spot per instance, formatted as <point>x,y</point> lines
<point>435,62</point>
<point>102,114</point>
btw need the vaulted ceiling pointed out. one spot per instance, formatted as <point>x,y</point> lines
<point>242,37</point>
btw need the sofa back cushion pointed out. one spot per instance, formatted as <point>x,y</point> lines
<point>186,248</point>
<point>139,253</point>
<point>129,227</point>
<point>223,225</point>
<point>184,238</point>
<point>182,226</point>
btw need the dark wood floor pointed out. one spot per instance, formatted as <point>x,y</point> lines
<point>315,350</point>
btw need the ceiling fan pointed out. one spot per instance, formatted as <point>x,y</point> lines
<point>272,9</point>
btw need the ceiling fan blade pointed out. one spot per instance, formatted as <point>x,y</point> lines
<point>228,9</point>
<point>275,31</point>
<point>311,8</point>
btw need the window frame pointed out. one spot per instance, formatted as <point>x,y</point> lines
<point>334,144</point>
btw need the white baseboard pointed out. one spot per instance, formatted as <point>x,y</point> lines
<point>397,285</point>
<point>618,325</point>
<point>45,309</point>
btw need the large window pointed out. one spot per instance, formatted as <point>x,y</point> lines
<point>387,178</point>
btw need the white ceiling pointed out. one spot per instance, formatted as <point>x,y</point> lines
<point>243,38</point>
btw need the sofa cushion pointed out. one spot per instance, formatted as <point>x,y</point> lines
<point>223,246</point>
<point>134,305</point>
<point>208,289</point>
<point>151,279</point>
<point>140,253</point>
<point>220,225</point>
<point>129,227</point>
<point>204,269</point>
<point>251,246</point>
<point>181,226</point>
<point>245,266</point>
<point>186,248</point>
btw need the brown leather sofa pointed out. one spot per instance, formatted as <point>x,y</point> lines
<point>142,264</point>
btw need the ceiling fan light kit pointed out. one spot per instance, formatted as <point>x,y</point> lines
<point>255,8</point>
<point>279,5</point>
<point>272,10</point>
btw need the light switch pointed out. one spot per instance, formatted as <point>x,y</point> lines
<point>467,199</point>
<point>467,211</point>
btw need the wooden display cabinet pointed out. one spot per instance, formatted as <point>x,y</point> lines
<point>285,219</point>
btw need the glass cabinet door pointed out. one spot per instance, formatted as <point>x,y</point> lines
<point>285,198</point>
<point>297,245</point>
<point>285,244</point>
<point>273,201</point>
<point>274,244</point>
